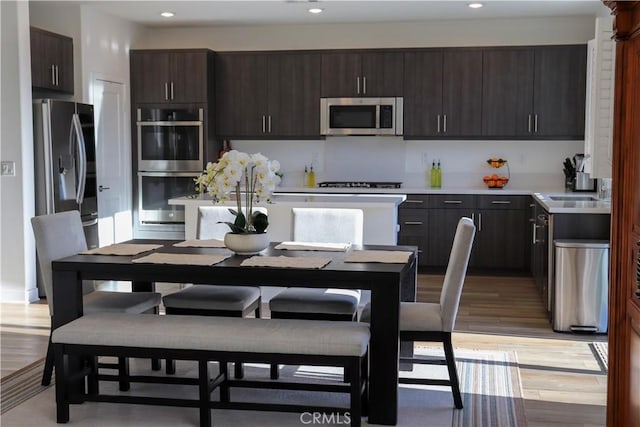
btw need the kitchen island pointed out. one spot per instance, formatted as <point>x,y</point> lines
<point>380,213</point>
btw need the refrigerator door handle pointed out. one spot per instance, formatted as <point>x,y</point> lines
<point>82,156</point>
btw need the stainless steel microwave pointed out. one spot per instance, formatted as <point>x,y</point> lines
<point>361,116</point>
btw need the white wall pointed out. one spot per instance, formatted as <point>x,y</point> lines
<point>488,32</point>
<point>17,253</point>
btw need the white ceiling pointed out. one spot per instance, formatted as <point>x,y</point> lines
<point>268,12</point>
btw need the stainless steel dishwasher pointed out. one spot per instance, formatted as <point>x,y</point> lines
<point>581,294</point>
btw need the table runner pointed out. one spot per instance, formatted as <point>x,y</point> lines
<point>391,257</point>
<point>201,243</point>
<point>182,259</point>
<point>310,246</point>
<point>122,249</point>
<point>286,262</point>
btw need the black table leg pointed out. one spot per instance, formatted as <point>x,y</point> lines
<point>383,354</point>
<point>67,302</point>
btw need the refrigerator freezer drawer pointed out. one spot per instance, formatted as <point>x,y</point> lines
<point>581,286</point>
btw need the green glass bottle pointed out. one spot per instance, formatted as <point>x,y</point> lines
<point>433,178</point>
<point>438,176</point>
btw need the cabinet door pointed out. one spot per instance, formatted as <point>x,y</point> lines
<point>422,93</point>
<point>65,64</point>
<point>188,77</point>
<point>382,74</point>
<point>413,231</point>
<point>462,93</point>
<point>441,229</point>
<point>341,74</point>
<point>501,240</point>
<point>241,93</point>
<point>559,91</point>
<point>293,95</point>
<point>507,92</point>
<point>150,77</point>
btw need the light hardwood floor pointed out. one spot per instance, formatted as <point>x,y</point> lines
<point>562,382</point>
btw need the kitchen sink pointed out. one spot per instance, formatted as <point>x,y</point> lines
<point>574,198</point>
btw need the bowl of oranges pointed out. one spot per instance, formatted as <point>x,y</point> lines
<point>496,180</point>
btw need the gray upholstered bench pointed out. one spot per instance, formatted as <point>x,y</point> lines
<point>204,339</point>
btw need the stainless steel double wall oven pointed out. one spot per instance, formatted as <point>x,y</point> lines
<point>170,154</point>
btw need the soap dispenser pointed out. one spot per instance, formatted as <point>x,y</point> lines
<point>433,179</point>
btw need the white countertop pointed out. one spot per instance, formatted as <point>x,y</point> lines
<point>570,203</point>
<point>314,199</point>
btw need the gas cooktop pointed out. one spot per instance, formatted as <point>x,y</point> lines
<point>359,184</point>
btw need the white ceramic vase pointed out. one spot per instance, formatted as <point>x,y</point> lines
<point>246,244</point>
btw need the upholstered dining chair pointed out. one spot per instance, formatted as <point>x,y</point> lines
<point>214,300</point>
<point>60,235</point>
<point>319,225</point>
<point>434,322</point>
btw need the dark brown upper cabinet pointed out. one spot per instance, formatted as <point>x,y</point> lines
<point>560,75</point>
<point>268,95</point>
<point>443,93</point>
<point>534,92</point>
<point>51,61</point>
<point>355,73</point>
<point>170,76</point>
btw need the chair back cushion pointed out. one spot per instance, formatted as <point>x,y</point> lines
<point>456,272</point>
<point>209,217</point>
<point>321,225</point>
<point>57,236</point>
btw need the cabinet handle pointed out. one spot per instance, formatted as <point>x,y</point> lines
<point>172,90</point>
<point>534,237</point>
<point>444,123</point>
<point>452,202</point>
<point>101,188</point>
<point>438,123</point>
<point>269,123</point>
<point>53,74</point>
<point>413,201</point>
<point>473,218</point>
<point>57,76</point>
<point>413,223</point>
<point>358,85</point>
<point>500,202</point>
<point>529,125</point>
<point>364,85</point>
<point>479,221</point>
<point>535,124</point>
<point>264,126</point>
<point>166,91</point>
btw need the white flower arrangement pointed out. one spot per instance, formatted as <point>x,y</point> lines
<point>234,172</point>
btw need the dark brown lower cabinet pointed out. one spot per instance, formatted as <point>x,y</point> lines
<point>503,233</point>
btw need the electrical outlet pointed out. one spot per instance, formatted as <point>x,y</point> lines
<point>8,168</point>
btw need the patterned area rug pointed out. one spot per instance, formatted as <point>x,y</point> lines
<point>601,353</point>
<point>490,384</point>
<point>21,385</point>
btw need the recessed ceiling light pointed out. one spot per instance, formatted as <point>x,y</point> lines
<point>475,5</point>
<point>167,14</point>
<point>315,10</point>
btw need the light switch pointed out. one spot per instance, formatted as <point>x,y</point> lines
<point>8,168</point>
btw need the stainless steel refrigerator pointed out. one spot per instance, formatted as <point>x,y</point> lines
<point>65,161</point>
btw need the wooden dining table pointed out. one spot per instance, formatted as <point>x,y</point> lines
<point>386,281</point>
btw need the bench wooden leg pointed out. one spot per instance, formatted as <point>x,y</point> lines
<point>275,373</point>
<point>123,374</point>
<point>93,387</point>
<point>62,402</point>
<point>364,381</point>
<point>224,387</point>
<point>353,368</point>
<point>171,366</point>
<point>203,386</point>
